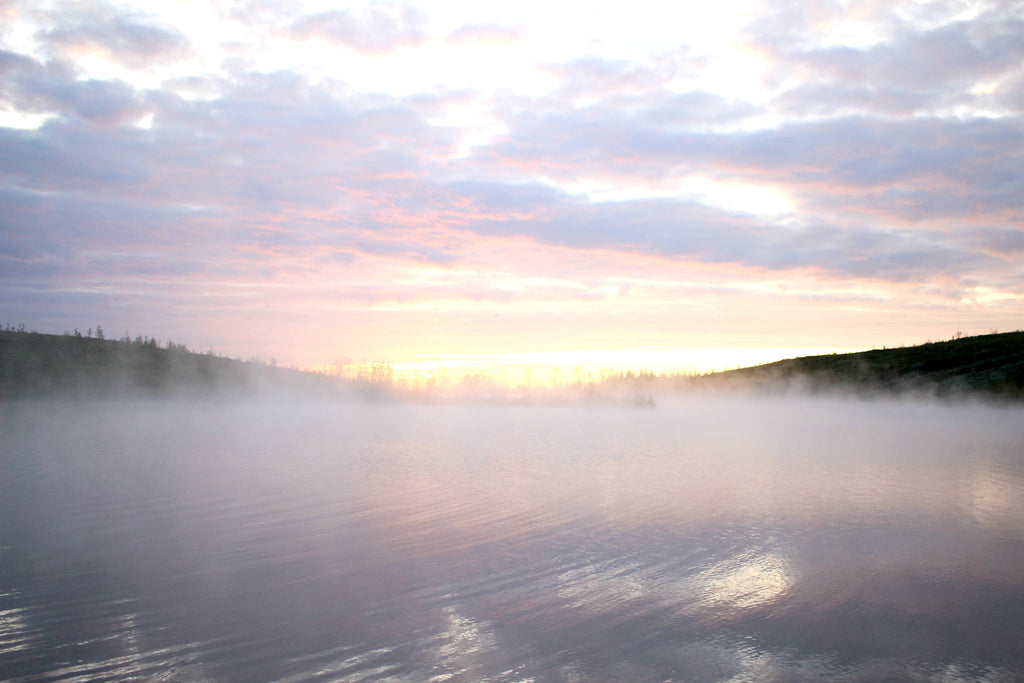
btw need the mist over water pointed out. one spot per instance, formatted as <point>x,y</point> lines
<point>715,538</point>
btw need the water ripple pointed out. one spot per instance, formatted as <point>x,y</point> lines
<point>403,543</point>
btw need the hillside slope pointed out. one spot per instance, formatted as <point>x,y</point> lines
<point>989,365</point>
<point>46,365</point>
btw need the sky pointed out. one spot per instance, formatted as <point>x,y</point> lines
<point>651,185</point>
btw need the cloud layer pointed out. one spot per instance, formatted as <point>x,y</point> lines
<point>350,166</point>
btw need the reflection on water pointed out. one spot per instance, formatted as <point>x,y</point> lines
<point>710,540</point>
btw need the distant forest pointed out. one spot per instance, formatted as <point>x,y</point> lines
<point>90,366</point>
<point>76,365</point>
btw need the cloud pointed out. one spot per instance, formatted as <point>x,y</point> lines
<point>694,232</point>
<point>268,174</point>
<point>914,169</point>
<point>31,86</point>
<point>599,77</point>
<point>125,37</point>
<point>261,12</point>
<point>910,169</point>
<point>9,8</point>
<point>1002,242</point>
<point>406,249</point>
<point>282,169</point>
<point>909,68</point>
<point>485,33</point>
<point>268,141</point>
<point>101,102</point>
<point>373,28</point>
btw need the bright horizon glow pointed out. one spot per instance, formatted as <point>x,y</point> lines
<point>549,369</point>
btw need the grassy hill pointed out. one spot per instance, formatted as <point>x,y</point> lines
<point>34,365</point>
<point>990,365</point>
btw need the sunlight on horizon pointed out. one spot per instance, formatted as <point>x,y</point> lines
<point>555,368</point>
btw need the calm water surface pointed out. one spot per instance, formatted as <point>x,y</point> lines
<point>705,540</point>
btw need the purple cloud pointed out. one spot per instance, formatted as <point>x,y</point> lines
<point>126,37</point>
<point>52,88</point>
<point>910,70</point>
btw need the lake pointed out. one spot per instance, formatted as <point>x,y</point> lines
<point>708,539</point>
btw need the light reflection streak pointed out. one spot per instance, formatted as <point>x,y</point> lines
<point>996,499</point>
<point>369,665</point>
<point>15,634</point>
<point>168,663</point>
<point>749,580</point>
<point>464,648</point>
